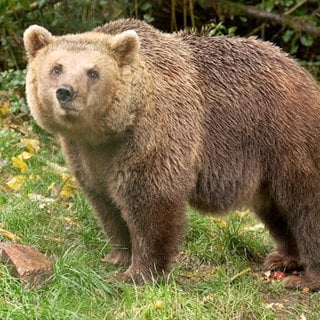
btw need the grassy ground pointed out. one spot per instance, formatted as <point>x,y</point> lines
<point>216,276</point>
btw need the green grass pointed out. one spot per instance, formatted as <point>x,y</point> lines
<point>217,274</point>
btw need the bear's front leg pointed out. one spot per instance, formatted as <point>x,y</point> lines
<point>115,228</point>
<point>155,231</point>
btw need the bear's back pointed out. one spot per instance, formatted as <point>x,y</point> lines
<point>249,84</point>
<point>244,85</point>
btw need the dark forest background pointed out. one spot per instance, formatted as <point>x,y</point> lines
<point>294,25</point>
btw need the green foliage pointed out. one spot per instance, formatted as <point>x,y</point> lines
<point>292,41</point>
<point>220,29</point>
<point>295,40</point>
<point>12,84</point>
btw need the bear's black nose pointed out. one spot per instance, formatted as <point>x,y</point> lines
<point>65,94</point>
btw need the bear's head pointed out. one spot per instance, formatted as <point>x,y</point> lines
<point>81,85</point>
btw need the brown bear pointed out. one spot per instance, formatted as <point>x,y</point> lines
<point>150,121</point>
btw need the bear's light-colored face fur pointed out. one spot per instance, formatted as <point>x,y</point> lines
<point>74,82</point>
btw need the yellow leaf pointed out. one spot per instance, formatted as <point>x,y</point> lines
<point>31,145</point>
<point>16,182</point>
<point>9,235</point>
<point>19,163</point>
<point>70,222</point>
<point>69,187</point>
<point>57,240</point>
<point>25,155</point>
<point>158,304</point>
<point>65,176</point>
<point>4,107</point>
<point>220,222</point>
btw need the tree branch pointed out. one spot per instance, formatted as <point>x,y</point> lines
<point>228,8</point>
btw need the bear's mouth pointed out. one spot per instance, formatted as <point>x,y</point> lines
<point>68,107</point>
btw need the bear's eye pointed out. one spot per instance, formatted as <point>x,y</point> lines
<point>92,74</point>
<point>56,70</point>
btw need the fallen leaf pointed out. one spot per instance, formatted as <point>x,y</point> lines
<point>19,163</point>
<point>25,155</point>
<point>220,222</point>
<point>158,304</point>
<point>208,298</point>
<point>70,222</point>
<point>16,182</point>
<point>69,187</point>
<point>57,240</point>
<point>4,108</point>
<point>31,145</point>
<point>9,235</point>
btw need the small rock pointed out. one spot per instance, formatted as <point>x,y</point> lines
<point>27,263</point>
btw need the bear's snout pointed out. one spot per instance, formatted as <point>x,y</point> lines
<point>65,94</point>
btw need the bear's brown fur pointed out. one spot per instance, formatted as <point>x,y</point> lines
<point>149,121</point>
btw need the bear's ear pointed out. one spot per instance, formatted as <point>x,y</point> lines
<point>36,38</point>
<point>126,46</point>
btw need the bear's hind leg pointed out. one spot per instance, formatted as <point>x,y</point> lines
<point>286,256</point>
<point>301,200</point>
<point>306,228</point>
<point>275,261</point>
<point>310,280</point>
